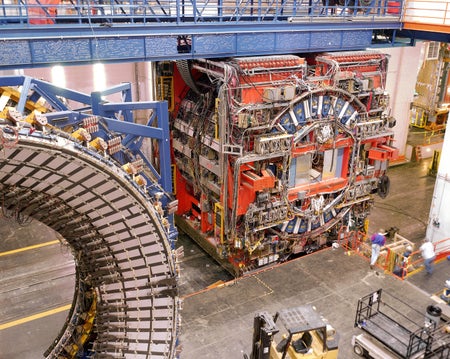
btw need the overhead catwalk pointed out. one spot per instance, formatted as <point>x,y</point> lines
<point>41,33</point>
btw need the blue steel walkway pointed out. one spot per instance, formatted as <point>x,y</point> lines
<point>43,32</point>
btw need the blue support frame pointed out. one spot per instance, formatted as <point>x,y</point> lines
<point>124,89</point>
<point>136,131</point>
<point>132,134</point>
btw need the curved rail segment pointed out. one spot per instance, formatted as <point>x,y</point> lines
<point>126,302</point>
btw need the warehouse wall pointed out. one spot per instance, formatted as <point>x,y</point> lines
<point>439,217</point>
<point>83,78</point>
<point>401,81</point>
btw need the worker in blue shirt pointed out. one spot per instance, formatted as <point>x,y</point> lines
<point>378,241</point>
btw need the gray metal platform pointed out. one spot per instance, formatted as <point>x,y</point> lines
<point>393,335</point>
<point>218,323</point>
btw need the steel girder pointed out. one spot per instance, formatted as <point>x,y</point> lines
<point>84,43</point>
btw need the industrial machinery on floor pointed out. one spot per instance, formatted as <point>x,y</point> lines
<point>445,296</point>
<point>392,329</point>
<point>78,163</point>
<point>307,335</point>
<point>273,154</point>
<point>429,110</point>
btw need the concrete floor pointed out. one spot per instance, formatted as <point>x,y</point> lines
<point>217,323</point>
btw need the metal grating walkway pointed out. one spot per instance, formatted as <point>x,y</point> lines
<point>80,32</point>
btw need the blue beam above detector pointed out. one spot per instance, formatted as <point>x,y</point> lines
<point>11,80</point>
<point>120,31</point>
<point>45,87</point>
<point>23,96</point>
<point>426,35</point>
<point>124,89</point>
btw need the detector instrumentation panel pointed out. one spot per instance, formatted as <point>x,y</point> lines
<point>274,154</point>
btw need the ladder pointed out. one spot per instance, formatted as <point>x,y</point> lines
<point>418,153</point>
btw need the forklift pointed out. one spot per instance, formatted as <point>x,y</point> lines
<point>306,334</point>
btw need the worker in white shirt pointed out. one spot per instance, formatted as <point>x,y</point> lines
<point>428,255</point>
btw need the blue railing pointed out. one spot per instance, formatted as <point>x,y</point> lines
<point>43,32</point>
<point>108,12</point>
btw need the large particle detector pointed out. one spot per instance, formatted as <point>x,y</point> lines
<point>84,173</point>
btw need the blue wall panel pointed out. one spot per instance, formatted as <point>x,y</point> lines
<point>356,38</point>
<point>45,51</point>
<point>256,42</point>
<point>215,44</point>
<point>326,40</point>
<point>15,52</point>
<point>344,39</point>
<point>161,46</point>
<point>108,49</point>
<point>293,41</point>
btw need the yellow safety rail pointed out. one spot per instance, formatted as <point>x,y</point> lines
<point>166,91</point>
<point>392,257</point>
<point>219,221</point>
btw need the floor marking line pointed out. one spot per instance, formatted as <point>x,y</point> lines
<point>34,317</point>
<point>23,249</point>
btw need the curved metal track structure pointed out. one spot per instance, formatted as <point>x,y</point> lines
<point>126,302</point>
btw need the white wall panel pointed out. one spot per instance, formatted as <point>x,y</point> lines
<point>401,82</point>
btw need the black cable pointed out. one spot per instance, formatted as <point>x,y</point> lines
<point>397,210</point>
<point>383,186</point>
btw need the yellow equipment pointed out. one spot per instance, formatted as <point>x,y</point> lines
<point>307,335</point>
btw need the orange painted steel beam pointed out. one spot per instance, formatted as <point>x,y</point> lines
<point>312,189</point>
<point>445,29</point>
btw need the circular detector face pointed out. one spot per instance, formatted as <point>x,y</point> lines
<point>321,123</point>
<point>125,303</point>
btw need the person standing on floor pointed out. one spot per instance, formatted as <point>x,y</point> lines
<point>378,241</point>
<point>428,255</point>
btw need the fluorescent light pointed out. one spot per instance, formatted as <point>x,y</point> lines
<point>58,76</point>
<point>99,77</point>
